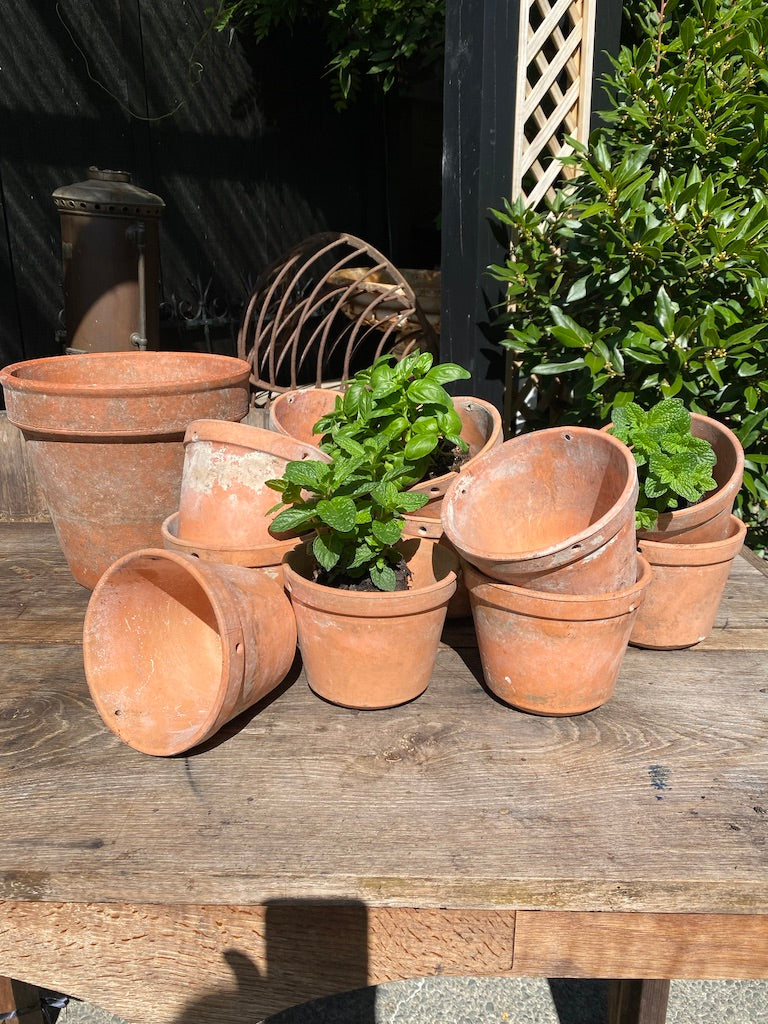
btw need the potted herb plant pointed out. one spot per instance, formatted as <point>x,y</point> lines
<point>685,527</point>
<point>369,606</point>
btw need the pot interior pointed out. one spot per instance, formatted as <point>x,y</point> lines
<point>536,492</point>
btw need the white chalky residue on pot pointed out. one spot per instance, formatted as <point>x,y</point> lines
<point>207,466</point>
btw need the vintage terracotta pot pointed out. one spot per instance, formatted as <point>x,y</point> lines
<point>224,497</point>
<point>552,654</point>
<point>294,413</point>
<point>430,532</point>
<point>687,586</point>
<point>708,519</point>
<point>264,558</point>
<point>104,435</point>
<point>481,428</point>
<point>552,510</point>
<point>175,647</point>
<point>371,650</point>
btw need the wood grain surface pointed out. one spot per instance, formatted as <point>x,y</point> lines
<point>454,816</point>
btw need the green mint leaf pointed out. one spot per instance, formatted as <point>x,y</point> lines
<point>292,519</point>
<point>339,513</point>
<point>308,473</point>
<point>383,576</point>
<point>387,532</point>
<point>327,548</point>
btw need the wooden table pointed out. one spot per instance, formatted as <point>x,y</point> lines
<point>312,849</point>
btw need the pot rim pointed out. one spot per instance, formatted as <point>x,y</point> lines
<point>261,556</point>
<point>191,566</point>
<point>701,512</point>
<point>660,552</point>
<point>370,605</point>
<point>606,527</point>
<point>233,371</point>
<point>549,605</point>
<point>253,438</point>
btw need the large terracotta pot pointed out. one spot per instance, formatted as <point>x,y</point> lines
<point>294,413</point>
<point>264,558</point>
<point>371,650</point>
<point>708,519</point>
<point>174,648</point>
<point>225,501</point>
<point>688,583</point>
<point>104,435</point>
<point>481,428</point>
<point>552,654</point>
<point>552,510</point>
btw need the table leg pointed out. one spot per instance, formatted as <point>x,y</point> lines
<point>19,1002</point>
<point>632,1001</point>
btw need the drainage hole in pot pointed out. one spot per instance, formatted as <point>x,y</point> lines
<point>118,712</point>
<point>434,490</point>
<point>576,547</point>
<point>423,531</point>
<point>567,437</point>
<point>238,648</point>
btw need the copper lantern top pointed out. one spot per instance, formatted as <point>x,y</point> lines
<point>108,193</point>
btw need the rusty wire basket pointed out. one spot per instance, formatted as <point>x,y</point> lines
<point>328,307</point>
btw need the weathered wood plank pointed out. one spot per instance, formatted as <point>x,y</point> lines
<point>209,962</point>
<point>21,498</point>
<point>701,946</point>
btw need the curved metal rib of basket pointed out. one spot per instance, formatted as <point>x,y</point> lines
<point>303,311</point>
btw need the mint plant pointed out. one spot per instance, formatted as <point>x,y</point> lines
<point>646,276</point>
<point>671,462</point>
<point>405,405</point>
<point>355,506</point>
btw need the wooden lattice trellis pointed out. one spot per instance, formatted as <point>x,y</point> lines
<point>554,90</point>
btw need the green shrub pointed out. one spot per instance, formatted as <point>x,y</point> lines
<point>647,275</point>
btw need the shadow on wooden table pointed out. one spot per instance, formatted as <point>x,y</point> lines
<point>311,949</point>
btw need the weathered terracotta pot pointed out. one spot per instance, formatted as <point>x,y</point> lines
<point>552,510</point>
<point>481,428</point>
<point>264,558</point>
<point>430,532</point>
<point>552,654</point>
<point>224,498</point>
<point>294,413</point>
<point>687,586</point>
<point>104,435</point>
<point>175,647</point>
<point>371,650</point>
<point>708,519</point>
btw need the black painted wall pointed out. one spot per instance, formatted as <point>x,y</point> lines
<point>240,140</point>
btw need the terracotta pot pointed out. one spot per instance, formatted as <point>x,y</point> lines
<point>104,435</point>
<point>371,650</point>
<point>552,654</point>
<point>224,497</point>
<point>552,510</point>
<point>175,647</point>
<point>708,519</point>
<point>264,558</point>
<point>688,583</point>
<point>481,428</point>
<point>430,532</point>
<point>294,413</point>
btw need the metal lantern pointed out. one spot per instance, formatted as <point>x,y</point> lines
<point>109,242</point>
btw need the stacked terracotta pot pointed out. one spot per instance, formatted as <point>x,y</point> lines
<point>691,552</point>
<point>545,525</point>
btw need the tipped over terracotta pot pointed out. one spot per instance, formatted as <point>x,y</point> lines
<point>174,648</point>
<point>553,510</point>
<point>294,413</point>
